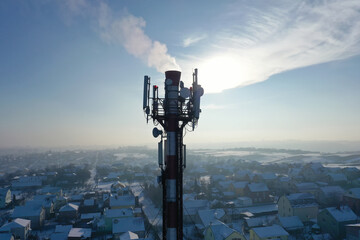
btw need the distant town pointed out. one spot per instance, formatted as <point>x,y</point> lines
<point>239,193</point>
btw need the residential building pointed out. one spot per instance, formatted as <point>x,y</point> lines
<point>31,212</point>
<point>221,231</point>
<point>258,192</point>
<point>270,232</point>
<point>291,224</point>
<point>122,225</point>
<point>333,220</point>
<point>352,199</point>
<point>79,234</point>
<point>303,205</point>
<point>125,201</point>
<point>5,197</point>
<point>19,227</point>
<point>238,188</point>
<point>330,195</point>
<point>68,213</point>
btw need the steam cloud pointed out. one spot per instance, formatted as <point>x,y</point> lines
<point>128,31</point>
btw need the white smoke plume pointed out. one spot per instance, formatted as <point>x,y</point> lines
<point>128,31</point>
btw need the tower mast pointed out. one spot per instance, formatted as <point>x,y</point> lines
<point>181,106</point>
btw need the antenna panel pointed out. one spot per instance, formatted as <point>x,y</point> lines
<point>146,92</point>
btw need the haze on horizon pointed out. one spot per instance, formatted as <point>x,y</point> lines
<point>281,74</point>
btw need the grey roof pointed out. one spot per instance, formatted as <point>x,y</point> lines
<point>69,207</point>
<point>258,187</point>
<point>331,190</point>
<point>302,200</point>
<point>126,200</point>
<point>118,213</point>
<point>121,225</point>
<point>240,184</point>
<point>80,232</point>
<point>27,211</point>
<point>354,192</point>
<point>271,231</point>
<point>63,229</point>
<point>305,186</point>
<point>291,223</point>
<point>211,215</point>
<point>221,230</point>
<point>342,214</point>
<point>16,223</point>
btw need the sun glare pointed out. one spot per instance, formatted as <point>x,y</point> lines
<point>221,72</point>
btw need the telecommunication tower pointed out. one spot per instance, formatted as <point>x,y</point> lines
<point>180,107</point>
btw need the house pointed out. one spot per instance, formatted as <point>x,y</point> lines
<point>333,220</point>
<point>352,199</point>
<point>5,197</point>
<point>269,178</point>
<point>208,216</point>
<point>31,212</point>
<point>111,214</point>
<point>125,201</point>
<point>221,231</point>
<point>123,225</point>
<point>59,201</point>
<point>263,221</point>
<point>45,201</point>
<point>79,234</point>
<point>68,213</point>
<point>61,232</point>
<point>27,182</point>
<point>330,195</point>
<point>19,227</point>
<point>87,217</point>
<point>283,185</point>
<point>303,205</point>
<point>245,201</point>
<point>238,188</point>
<point>119,188</point>
<point>191,207</point>
<point>253,211</point>
<point>291,224</point>
<point>353,231</point>
<point>306,187</point>
<point>88,206</point>
<point>258,192</point>
<point>271,232</point>
<point>225,185</point>
<point>336,178</point>
<point>51,190</point>
<point>313,171</point>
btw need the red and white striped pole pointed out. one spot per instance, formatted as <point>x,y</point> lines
<point>171,176</point>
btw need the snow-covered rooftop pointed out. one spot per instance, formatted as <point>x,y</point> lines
<point>80,233</point>
<point>122,225</point>
<point>342,214</point>
<point>69,207</point>
<point>291,223</point>
<point>258,187</point>
<point>270,232</point>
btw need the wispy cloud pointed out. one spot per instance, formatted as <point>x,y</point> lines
<point>193,40</point>
<point>213,107</point>
<point>127,30</point>
<point>278,38</point>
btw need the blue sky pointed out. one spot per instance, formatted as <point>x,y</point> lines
<point>71,71</point>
